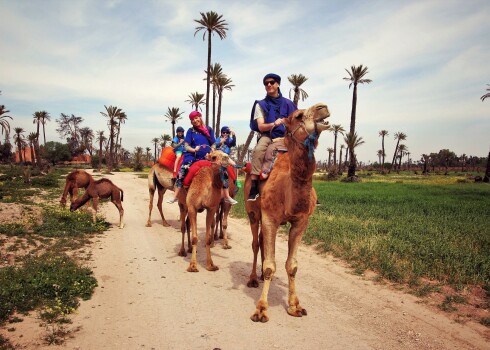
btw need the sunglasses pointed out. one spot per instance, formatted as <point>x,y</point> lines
<point>269,82</point>
<point>226,132</point>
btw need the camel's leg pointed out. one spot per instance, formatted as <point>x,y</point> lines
<point>192,215</point>
<point>188,228</point>
<point>269,268</point>
<point>95,204</point>
<point>210,217</point>
<point>183,228</point>
<point>161,192</point>
<point>224,225</point>
<point>253,281</point>
<point>66,190</point>
<point>150,207</point>
<point>117,203</point>
<point>295,234</point>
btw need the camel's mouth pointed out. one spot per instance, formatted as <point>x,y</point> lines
<point>321,118</point>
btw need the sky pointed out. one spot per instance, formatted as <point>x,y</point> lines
<point>428,62</point>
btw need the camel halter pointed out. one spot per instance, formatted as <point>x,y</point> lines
<point>309,142</point>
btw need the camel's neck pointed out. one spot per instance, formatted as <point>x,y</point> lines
<point>302,168</point>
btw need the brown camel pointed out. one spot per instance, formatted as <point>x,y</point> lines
<point>101,189</point>
<point>159,178</point>
<point>287,196</point>
<point>204,193</point>
<point>75,180</point>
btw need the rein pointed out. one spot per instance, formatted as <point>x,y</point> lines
<point>309,142</point>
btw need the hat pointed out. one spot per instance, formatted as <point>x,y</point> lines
<point>276,77</point>
<point>225,129</point>
<point>180,129</point>
<point>194,114</point>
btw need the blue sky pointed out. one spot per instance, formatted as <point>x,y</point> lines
<point>428,60</point>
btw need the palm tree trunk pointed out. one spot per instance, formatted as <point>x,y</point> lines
<point>383,149</point>
<point>218,117</point>
<point>487,172</point>
<point>245,147</point>
<point>353,111</point>
<point>208,76</point>
<point>394,156</point>
<point>335,154</point>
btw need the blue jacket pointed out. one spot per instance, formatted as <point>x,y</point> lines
<point>272,113</point>
<point>229,143</point>
<point>195,138</point>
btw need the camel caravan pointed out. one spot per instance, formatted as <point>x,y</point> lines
<point>286,195</point>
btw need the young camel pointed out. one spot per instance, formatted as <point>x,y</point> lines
<point>204,193</point>
<point>287,196</point>
<point>101,189</point>
<point>75,180</point>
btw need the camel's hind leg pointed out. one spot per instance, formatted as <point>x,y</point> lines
<point>183,228</point>
<point>161,192</point>
<point>150,207</point>
<point>95,204</point>
<point>253,281</point>
<point>192,215</point>
<point>295,234</point>
<point>210,215</point>
<point>116,200</point>
<point>268,268</point>
<point>224,225</point>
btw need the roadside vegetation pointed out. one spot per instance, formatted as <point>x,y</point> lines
<point>42,252</point>
<point>429,233</point>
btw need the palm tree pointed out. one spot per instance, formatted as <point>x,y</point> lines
<point>87,136</point>
<point>383,133</point>
<point>380,155</point>
<point>246,146</point>
<point>340,159</point>
<point>101,139</point>
<point>223,83</point>
<point>330,151</point>
<point>32,138</point>
<point>38,119</point>
<point>19,139</point>
<point>486,178</point>
<point>196,100</point>
<point>121,119</point>
<point>352,141</point>
<point>356,76</point>
<point>148,149</point>
<point>215,74</point>
<point>399,136</point>
<point>112,113</point>
<point>165,138</point>
<point>45,118</point>
<point>4,124</point>
<point>155,141</point>
<point>173,114</point>
<point>486,95</point>
<point>336,129</point>
<point>210,22</point>
<point>402,150</point>
<point>297,81</point>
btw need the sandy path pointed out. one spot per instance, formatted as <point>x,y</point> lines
<point>147,300</point>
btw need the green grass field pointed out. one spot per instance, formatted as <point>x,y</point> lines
<point>405,227</point>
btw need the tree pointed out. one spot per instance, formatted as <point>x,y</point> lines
<point>340,159</point>
<point>32,138</point>
<point>86,138</point>
<point>352,141</point>
<point>155,141</point>
<point>173,114</point>
<point>297,80</point>
<point>121,119</point>
<point>215,74</point>
<point>68,127</point>
<point>196,100</point>
<point>486,95</point>
<point>56,152</point>
<point>330,151</point>
<point>38,120</point>
<point>138,159</point>
<point>101,139</point>
<point>210,23</point>
<point>165,138</point>
<point>402,150</point>
<point>223,83</point>
<point>45,118</point>
<point>399,136</point>
<point>336,129</point>
<point>148,149</point>
<point>19,139</point>
<point>4,124</point>
<point>486,178</point>
<point>383,133</point>
<point>356,76</point>
<point>112,113</point>
<point>380,156</point>
<point>246,146</point>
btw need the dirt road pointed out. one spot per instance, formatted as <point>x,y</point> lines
<point>147,300</point>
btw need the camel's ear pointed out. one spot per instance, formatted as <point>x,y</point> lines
<point>297,114</point>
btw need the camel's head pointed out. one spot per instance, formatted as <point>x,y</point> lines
<point>216,156</point>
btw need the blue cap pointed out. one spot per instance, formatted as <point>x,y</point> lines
<point>276,77</point>
<point>225,129</point>
<point>180,129</point>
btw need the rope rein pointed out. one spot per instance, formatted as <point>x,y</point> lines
<point>309,142</point>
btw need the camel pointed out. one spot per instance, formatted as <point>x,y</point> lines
<point>101,189</point>
<point>287,196</point>
<point>75,180</point>
<point>159,178</point>
<point>204,193</point>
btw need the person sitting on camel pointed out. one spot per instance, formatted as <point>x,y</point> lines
<point>199,141</point>
<point>178,146</point>
<point>267,119</point>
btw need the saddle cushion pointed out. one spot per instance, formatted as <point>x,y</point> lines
<point>195,167</point>
<point>167,158</point>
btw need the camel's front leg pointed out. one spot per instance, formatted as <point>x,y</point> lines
<point>224,225</point>
<point>183,229</point>
<point>210,217</point>
<point>95,204</point>
<point>295,234</point>
<point>269,230</point>
<point>161,192</point>
<point>121,212</point>
<point>253,281</point>
<point>150,207</point>
<point>192,215</point>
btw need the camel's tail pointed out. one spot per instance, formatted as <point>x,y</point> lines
<point>156,182</point>
<point>122,195</point>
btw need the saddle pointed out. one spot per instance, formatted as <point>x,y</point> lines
<point>195,167</point>
<point>276,148</point>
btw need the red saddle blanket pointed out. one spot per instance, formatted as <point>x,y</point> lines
<point>195,167</point>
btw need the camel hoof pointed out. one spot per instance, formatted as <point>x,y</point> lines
<point>122,226</point>
<point>297,311</point>
<point>212,268</point>
<point>192,268</point>
<point>165,224</point>
<point>189,250</point>
<point>257,317</point>
<point>182,252</point>
<point>226,246</point>
<point>148,224</point>
<point>253,283</point>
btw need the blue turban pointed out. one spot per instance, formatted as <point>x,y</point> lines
<point>225,129</point>
<point>276,77</point>
<point>180,129</point>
